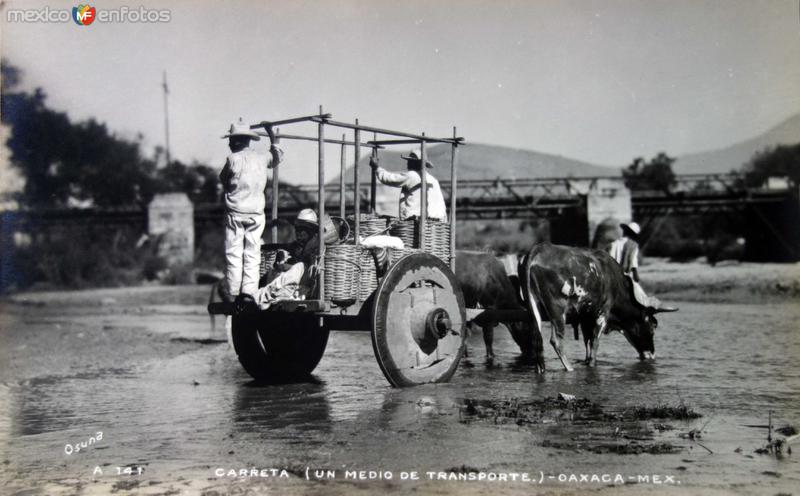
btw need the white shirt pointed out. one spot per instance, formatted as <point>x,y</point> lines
<point>626,252</point>
<point>244,179</point>
<point>410,193</point>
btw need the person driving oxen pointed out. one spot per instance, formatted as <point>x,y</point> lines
<point>625,250</point>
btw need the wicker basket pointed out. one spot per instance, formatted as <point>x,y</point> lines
<point>395,254</point>
<point>342,269</point>
<point>368,278</point>
<point>437,236</point>
<point>437,239</point>
<point>268,255</point>
<point>368,225</point>
<point>405,230</point>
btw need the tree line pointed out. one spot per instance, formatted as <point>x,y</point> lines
<point>68,163</point>
<point>656,174</point>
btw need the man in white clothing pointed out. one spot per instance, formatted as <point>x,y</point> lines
<point>625,250</point>
<point>409,183</point>
<point>244,179</point>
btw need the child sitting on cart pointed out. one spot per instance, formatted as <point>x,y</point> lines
<point>294,278</point>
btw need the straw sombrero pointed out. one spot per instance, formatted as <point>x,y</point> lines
<point>241,129</point>
<point>414,157</point>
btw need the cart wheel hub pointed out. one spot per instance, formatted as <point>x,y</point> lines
<point>438,323</point>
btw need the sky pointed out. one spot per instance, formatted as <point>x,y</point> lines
<point>599,81</point>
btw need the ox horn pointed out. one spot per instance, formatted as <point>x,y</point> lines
<point>658,307</point>
<point>666,309</point>
<point>650,302</point>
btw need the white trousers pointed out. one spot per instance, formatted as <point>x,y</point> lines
<point>243,252</point>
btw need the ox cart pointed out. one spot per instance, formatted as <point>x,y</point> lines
<point>414,311</point>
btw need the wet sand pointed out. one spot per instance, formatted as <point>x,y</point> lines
<point>177,412</point>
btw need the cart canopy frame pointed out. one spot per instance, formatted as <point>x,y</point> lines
<point>324,120</point>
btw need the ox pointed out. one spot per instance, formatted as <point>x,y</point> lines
<point>486,285</point>
<point>587,288</point>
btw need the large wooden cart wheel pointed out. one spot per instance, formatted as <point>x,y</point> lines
<point>278,347</point>
<point>418,321</point>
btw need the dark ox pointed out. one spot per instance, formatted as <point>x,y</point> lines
<point>587,288</point>
<point>486,285</point>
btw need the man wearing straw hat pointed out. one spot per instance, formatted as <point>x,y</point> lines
<point>244,179</point>
<point>625,251</point>
<point>409,183</point>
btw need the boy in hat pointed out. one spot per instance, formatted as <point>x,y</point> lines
<point>244,179</point>
<point>409,183</point>
<point>625,250</point>
<point>305,248</point>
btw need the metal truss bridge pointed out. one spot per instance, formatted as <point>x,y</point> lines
<point>692,194</point>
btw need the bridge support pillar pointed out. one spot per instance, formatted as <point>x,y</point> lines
<point>771,229</point>
<point>170,216</point>
<point>607,198</point>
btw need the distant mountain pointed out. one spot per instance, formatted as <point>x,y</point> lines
<point>476,161</point>
<point>734,156</point>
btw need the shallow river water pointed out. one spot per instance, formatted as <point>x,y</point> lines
<point>172,406</point>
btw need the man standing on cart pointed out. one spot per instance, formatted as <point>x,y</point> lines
<point>244,179</point>
<point>410,184</point>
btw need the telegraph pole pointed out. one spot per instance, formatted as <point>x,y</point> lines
<point>166,117</point>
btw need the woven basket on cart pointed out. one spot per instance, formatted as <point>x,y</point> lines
<point>437,236</point>
<point>405,230</point>
<point>368,225</point>
<point>395,254</point>
<point>342,269</point>
<point>368,278</point>
<point>268,254</point>
<point>437,239</point>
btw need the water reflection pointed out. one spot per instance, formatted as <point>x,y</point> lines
<point>402,407</point>
<point>55,403</point>
<point>640,371</point>
<point>301,407</point>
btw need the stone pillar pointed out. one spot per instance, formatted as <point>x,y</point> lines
<point>170,221</point>
<point>607,198</point>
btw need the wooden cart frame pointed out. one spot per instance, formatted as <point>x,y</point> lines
<point>416,316</point>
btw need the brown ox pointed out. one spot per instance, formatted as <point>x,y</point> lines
<point>486,285</point>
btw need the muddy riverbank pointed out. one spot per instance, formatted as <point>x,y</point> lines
<point>178,415</point>
<point>726,282</point>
